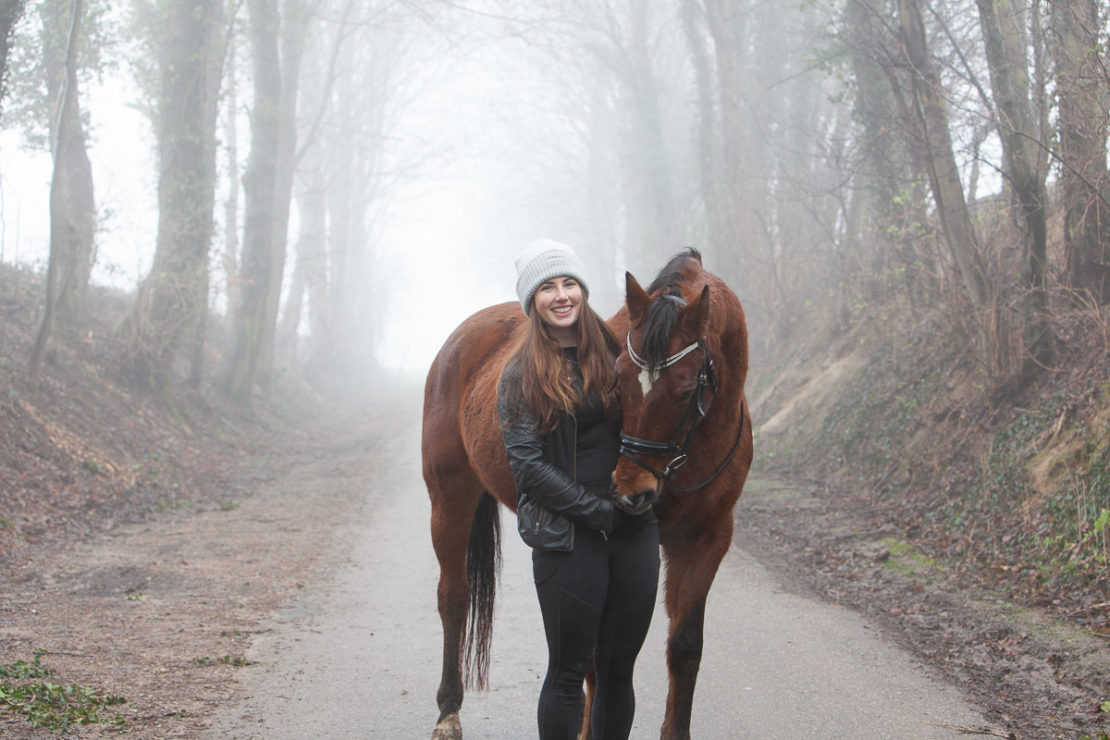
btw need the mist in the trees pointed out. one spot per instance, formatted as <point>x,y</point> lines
<point>337,184</point>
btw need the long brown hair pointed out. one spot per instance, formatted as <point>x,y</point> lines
<point>545,386</point>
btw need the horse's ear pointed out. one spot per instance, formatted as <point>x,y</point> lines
<point>699,308</point>
<point>635,297</point>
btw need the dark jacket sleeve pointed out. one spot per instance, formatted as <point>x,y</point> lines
<point>539,478</point>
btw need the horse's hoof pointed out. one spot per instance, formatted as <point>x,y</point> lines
<point>449,728</point>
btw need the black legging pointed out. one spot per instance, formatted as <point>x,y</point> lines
<point>597,601</point>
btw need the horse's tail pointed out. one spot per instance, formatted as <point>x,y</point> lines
<point>483,566</point>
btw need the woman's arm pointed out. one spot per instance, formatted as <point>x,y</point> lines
<point>537,476</point>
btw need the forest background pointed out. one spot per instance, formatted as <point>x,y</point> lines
<point>909,197</point>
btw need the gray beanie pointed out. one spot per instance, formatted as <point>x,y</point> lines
<point>542,260</point>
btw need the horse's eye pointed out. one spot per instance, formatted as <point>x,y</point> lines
<point>686,395</point>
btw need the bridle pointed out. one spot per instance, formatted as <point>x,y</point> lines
<point>637,448</point>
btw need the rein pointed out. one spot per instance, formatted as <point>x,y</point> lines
<point>637,448</point>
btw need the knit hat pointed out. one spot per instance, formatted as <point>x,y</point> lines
<point>542,260</point>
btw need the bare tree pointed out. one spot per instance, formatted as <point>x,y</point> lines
<point>308,283</point>
<point>926,106</point>
<point>1022,147</point>
<point>174,294</point>
<point>651,223</point>
<point>769,179</point>
<point>344,325</point>
<point>278,38</point>
<point>297,27</point>
<point>889,181</point>
<point>357,87</point>
<point>229,259</point>
<point>60,228</point>
<point>614,71</point>
<point>248,328</point>
<point>76,199</point>
<point>707,144</point>
<point>726,25</point>
<point>39,79</point>
<point>1082,91</point>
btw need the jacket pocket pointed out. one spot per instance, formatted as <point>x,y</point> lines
<point>528,515</point>
<point>541,528</point>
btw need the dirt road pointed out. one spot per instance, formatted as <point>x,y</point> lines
<point>356,654</point>
<point>305,608</point>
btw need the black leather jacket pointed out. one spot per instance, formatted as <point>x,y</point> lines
<point>550,503</point>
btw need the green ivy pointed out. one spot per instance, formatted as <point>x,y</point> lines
<point>53,706</point>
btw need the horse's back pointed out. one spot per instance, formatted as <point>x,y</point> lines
<point>460,431</point>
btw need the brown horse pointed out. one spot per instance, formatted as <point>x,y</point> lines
<point>686,358</point>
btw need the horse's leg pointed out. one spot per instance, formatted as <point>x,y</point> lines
<point>692,562</point>
<point>588,704</point>
<point>454,499</point>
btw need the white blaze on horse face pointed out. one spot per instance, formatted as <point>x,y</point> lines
<point>647,380</point>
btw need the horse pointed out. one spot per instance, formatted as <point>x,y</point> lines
<point>685,357</point>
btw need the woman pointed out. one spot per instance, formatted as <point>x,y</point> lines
<point>596,565</point>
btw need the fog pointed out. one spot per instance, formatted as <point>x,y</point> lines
<point>433,139</point>
<point>448,229</point>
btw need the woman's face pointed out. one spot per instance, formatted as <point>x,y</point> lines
<point>558,303</point>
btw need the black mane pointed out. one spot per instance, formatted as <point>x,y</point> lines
<point>662,315</point>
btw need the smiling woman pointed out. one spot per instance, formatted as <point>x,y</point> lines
<point>558,303</point>
<point>556,422</point>
<point>595,558</point>
<point>550,282</point>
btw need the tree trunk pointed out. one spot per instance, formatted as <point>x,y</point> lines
<point>230,257</point>
<point>760,95</point>
<point>59,227</point>
<point>708,163</point>
<point>624,48</point>
<point>325,347</point>
<point>172,296</point>
<point>1021,146</point>
<point>890,203</point>
<point>221,32</point>
<point>294,23</point>
<point>245,356</point>
<point>286,340</point>
<point>1082,91</point>
<point>931,114</point>
<point>308,287</point>
<point>725,21</point>
<point>76,203</point>
<point>343,357</point>
<point>313,249</point>
<point>327,353</point>
<point>650,226</point>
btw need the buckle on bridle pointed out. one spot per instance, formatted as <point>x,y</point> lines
<point>674,465</point>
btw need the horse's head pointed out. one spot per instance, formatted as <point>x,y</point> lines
<point>667,380</point>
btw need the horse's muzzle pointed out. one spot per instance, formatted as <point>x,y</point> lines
<point>635,505</point>
<point>645,492</point>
